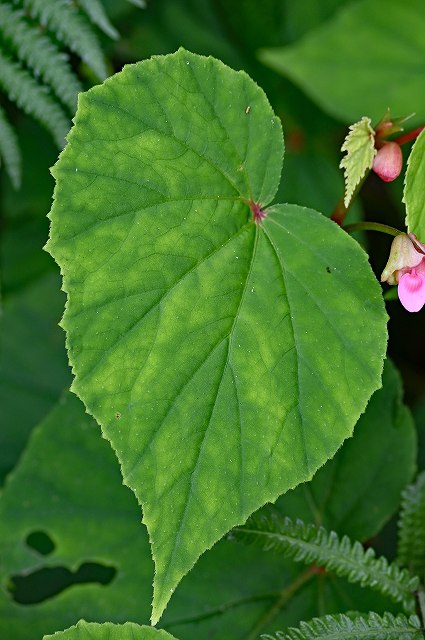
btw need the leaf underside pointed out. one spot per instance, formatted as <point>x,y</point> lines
<point>226,360</point>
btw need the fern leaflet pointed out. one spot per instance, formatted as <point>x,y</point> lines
<point>411,543</point>
<point>342,627</point>
<point>72,28</point>
<point>33,99</point>
<point>311,544</point>
<point>95,11</point>
<point>40,54</point>
<point>9,151</point>
<point>138,3</point>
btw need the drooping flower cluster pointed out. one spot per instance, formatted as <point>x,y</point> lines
<point>406,268</point>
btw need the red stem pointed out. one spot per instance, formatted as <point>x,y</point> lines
<point>407,137</point>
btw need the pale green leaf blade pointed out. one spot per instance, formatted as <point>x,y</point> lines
<point>357,61</point>
<point>177,308</point>
<point>108,631</point>
<point>414,189</point>
<point>359,146</point>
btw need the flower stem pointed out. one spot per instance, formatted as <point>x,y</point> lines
<point>340,211</point>
<point>407,137</point>
<point>372,226</point>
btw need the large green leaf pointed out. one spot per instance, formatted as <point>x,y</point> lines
<point>414,189</point>
<point>108,631</point>
<point>67,486</point>
<point>355,64</point>
<point>33,365</point>
<point>225,357</point>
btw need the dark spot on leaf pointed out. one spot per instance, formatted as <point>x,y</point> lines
<point>45,583</point>
<point>328,269</point>
<point>118,415</point>
<point>41,542</point>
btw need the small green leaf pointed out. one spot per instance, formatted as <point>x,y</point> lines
<point>359,146</point>
<point>196,325</point>
<point>108,631</point>
<point>414,189</point>
<point>358,61</point>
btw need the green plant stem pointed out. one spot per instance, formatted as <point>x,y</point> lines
<point>421,602</point>
<point>340,212</point>
<point>372,226</point>
<point>285,595</point>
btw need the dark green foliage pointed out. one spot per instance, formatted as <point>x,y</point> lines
<point>33,98</point>
<point>35,68</point>
<point>95,11</point>
<point>9,150</point>
<point>411,546</point>
<point>39,53</point>
<point>342,627</point>
<point>315,545</point>
<point>72,28</point>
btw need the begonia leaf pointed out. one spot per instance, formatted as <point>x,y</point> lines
<point>226,348</point>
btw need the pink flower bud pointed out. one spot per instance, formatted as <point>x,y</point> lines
<point>388,162</point>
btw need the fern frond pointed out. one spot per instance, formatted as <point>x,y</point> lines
<point>72,28</point>
<point>342,627</point>
<point>40,54</point>
<point>314,545</point>
<point>411,542</point>
<point>33,98</point>
<point>138,3</point>
<point>95,11</point>
<point>9,151</point>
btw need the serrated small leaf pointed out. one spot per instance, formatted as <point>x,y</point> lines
<point>414,189</point>
<point>191,321</point>
<point>359,146</point>
<point>108,631</point>
<point>344,627</point>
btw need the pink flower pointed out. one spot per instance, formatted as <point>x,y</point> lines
<point>406,267</point>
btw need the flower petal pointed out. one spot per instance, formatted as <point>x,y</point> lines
<point>411,291</point>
